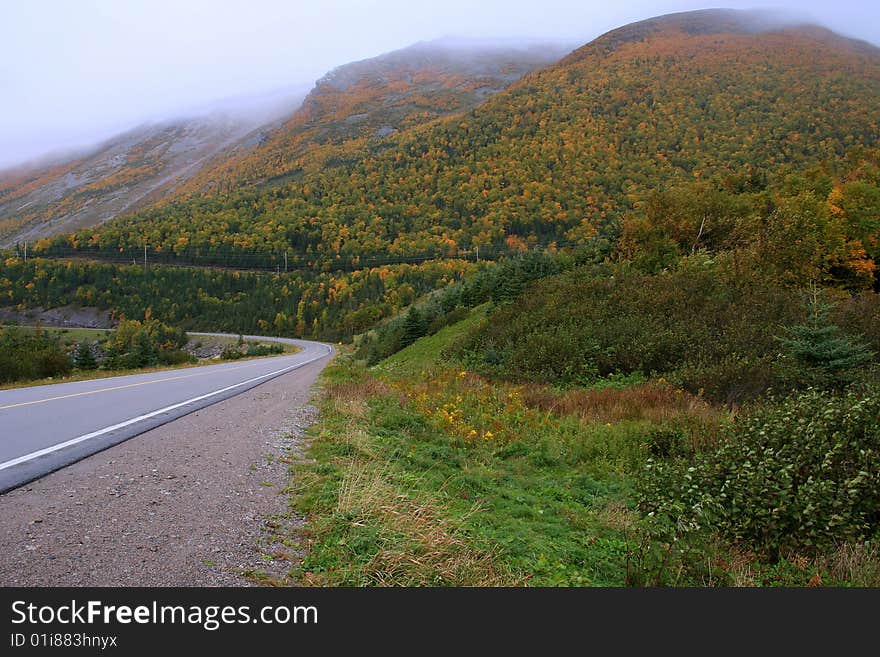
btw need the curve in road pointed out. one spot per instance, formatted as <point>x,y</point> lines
<point>45,428</point>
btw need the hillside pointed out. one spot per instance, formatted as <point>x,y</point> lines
<point>565,152</point>
<point>375,98</point>
<point>115,177</point>
<point>227,150</point>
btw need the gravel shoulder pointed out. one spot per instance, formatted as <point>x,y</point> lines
<point>195,502</point>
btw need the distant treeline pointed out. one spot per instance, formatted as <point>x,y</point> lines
<point>315,305</point>
<point>257,260</point>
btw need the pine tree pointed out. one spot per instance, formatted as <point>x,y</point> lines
<point>83,358</point>
<point>414,326</point>
<point>823,356</point>
<point>144,353</point>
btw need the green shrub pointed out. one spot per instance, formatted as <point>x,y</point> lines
<point>51,361</point>
<point>801,474</point>
<point>136,344</point>
<point>175,357</point>
<point>26,355</point>
<point>255,349</point>
<point>732,379</point>
<point>251,349</point>
<point>231,352</point>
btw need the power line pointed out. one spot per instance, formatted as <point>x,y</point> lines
<point>267,261</point>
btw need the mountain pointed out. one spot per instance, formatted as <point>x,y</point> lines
<point>236,148</point>
<point>564,153</point>
<point>117,176</point>
<point>375,98</point>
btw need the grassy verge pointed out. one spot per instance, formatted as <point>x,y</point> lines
<point>425,474</point>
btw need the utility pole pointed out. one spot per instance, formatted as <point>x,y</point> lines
<point>25,252</point>
<point>477,248</point>
<point>145,256</point>
<point>285,262</point>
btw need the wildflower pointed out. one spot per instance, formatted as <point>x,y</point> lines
<point>462,374</point>
<point>488,435</point>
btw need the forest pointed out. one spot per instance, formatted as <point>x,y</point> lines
<point>329,306</point>
<point>559,157</point>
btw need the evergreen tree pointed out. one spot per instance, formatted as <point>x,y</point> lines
<point>824,356</point>
<point>414,327</point>
<point>144,353</point>
<point>83,358</point>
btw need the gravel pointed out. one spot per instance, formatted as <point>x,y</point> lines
<point>197,502</point>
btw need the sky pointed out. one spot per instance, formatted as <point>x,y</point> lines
<point>75,72</point>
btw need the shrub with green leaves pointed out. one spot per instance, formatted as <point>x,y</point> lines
<point>83,357</point>
<point>135,344</point>
<point>796,475</point>
<point>26,355</point>
<point>250,350</point>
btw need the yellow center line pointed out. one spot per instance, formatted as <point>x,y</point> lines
<point>129,385</point>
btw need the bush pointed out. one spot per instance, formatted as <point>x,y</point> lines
<point>26,355</point>
<point>251,350</point>
<point>801,474</point>
<point>51,361</point>
<point>136,344</point>
<point>732,379</point>
<point>264,349</point>
<point>231,352</point>
<point>175,357</point>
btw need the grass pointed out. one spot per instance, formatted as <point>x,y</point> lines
<point>67,336</point>
<point>420,473</point>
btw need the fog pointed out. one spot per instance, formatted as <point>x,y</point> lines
<point>73,73</point>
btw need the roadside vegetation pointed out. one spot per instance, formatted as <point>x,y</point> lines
<point>30,355</point>
<point>424,472</point>
<point>593,419</point>
<point>250,349</point>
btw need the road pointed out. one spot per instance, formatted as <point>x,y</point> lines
<point>45,428</point>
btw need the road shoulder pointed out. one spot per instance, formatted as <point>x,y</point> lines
<point>191,503</point>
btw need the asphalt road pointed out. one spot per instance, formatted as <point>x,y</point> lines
<point>45,428</point>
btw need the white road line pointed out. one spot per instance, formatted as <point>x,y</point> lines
<point>100,432</point>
